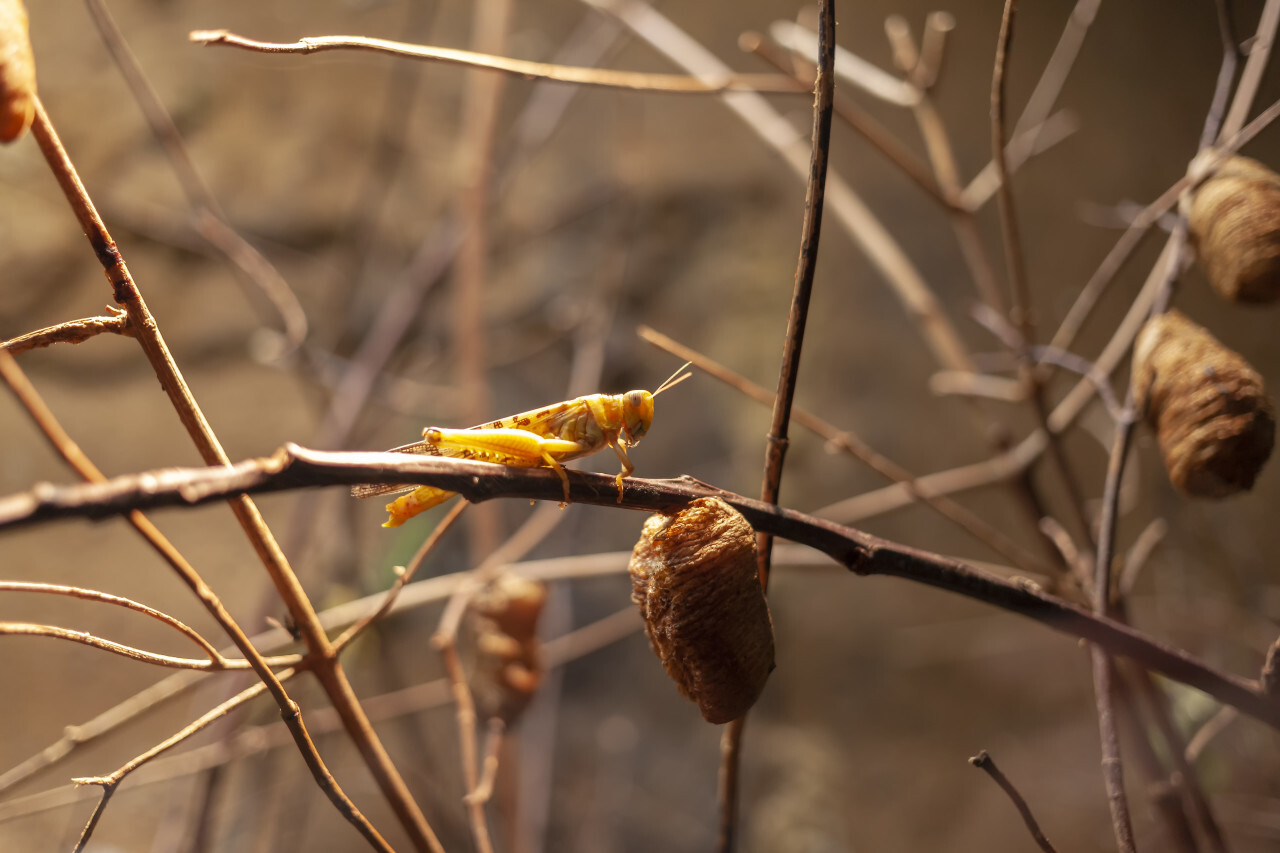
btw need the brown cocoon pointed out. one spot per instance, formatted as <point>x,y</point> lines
<point>509,668</point>
<point>1235,226</point>
<point>694,576</point>
<point>1208,407</point>
<point>17,72</point>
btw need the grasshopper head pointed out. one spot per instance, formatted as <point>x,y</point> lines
<point>637,414</point>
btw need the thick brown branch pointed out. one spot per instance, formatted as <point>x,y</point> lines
<point>295,467</point>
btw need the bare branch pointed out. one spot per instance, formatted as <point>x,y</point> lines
<point>295,467</point>
<point>26,629</point>
<point>70,332</point>
<point>987,764</point>
<point>675,84</point>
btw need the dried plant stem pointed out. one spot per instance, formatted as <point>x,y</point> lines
<point>402,578</point>
<point>853,445</point>
<point>570,646</point>
<point>862,553</point>
<point>1254,66</point>
<point>70,332</point>
<point>1019,291</point>
<point>215,657</point>
<point>483,791</point>
<point>861,121</point>
<point>206,215</point>
<point>474,156</point>
<point>1103,666</point>
<point>1193,802</point>
<point>111,782</point>
<point>26,629</point>
<point>848,209</point>
<point>674,84</point>
<point>292,714</point>
<point>777,440</point>
<point>1016,460</point>
<point>987,764</point>
<point>286,582</point>
<point>1020,307</point>
<point>1214,726</point>
<point>257,739</point>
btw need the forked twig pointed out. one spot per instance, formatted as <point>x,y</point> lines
<point>852,444</point>
<point>286,582</point>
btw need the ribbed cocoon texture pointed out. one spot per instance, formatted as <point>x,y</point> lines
<point>1234,220</point>
<point>695,579</point>
<point>1208,406</point>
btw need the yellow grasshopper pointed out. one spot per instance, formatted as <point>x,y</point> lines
<point>542,437</point>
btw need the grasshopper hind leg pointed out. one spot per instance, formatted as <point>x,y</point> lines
<point>419,500</point>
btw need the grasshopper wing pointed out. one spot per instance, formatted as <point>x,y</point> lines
<point>372,490</point>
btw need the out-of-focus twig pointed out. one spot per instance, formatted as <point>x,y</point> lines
<point>206,215</point>
<point>667,83</point>
<point>852,444</point>
<point>984,762</point>
<point>118,601</point>
<point>848,209</point>
<point>147,331</point>
<point>777,440</point>
<point>1251,78</point>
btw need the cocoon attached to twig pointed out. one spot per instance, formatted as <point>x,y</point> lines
<point>694,576</point>
<point>17,72</point>
<point>1208,407</point>
<point>509,668</point>
<point>1235,225</point>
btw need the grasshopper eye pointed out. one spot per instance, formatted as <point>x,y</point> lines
<point>635,399</point>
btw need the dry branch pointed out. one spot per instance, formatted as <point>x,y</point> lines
<point>294,467</point>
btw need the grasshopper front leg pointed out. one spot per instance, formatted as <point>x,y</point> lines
<point>627,467</point>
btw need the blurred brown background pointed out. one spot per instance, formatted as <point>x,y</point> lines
<point>637,208</point>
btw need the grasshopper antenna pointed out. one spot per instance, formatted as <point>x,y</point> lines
<point>674,379</point>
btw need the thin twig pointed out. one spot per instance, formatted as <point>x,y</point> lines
<point>1020,307</point>
<point>1139,553</point>
<point>777,440</point>
<point>667,83</point>
<point>1214,726</point>
<point>71,453</point>
<point>853,445</point>
<point>70,332</point>
<point>858,119</point>
<point>848,209</point>
<point>205,213</point>
<point>27,629</point>
<point>254,740</point>
<point>402,578</point>
<point>153,344</point>
<point>987,764</point>
<point>1103,666</point>
<point>1254,66</point>
<point>1016,460</point>
<point>415,596</point>
<point>848,65</point>
<point>129,604</point>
